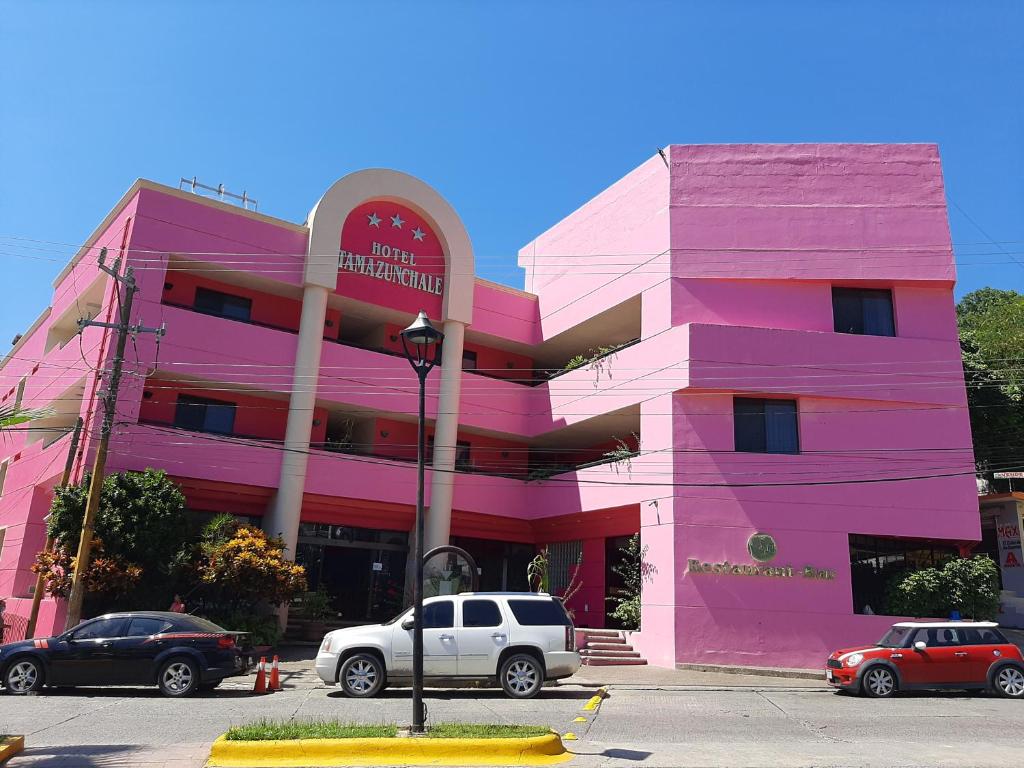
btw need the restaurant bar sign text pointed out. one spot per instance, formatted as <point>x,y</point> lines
<point>388,264</point>
<point>763,549</point>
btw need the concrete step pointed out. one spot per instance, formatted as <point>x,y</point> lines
<point>587,653</point>
<point>608,646</point>
<point>602,662</point>
<point>601,632</point>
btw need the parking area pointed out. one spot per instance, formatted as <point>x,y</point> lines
<point>652,718</point>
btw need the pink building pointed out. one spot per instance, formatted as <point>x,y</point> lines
<point>782,402</point>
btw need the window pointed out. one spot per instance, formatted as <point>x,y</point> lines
<point>3,474</point>
<point>440,615</point>
<point>204,415</point>
<point>480,613</point>
<point>468,360</point>
<point>462,455</point>
<point>876,560</point>
<point>563,558</point>
<point>143,626</point>
<point>863,311</point>
<point>539,613</point>
<point>99,629</point>
<point>765,426</point>
<point>222,304</point>
<point>983,636</point>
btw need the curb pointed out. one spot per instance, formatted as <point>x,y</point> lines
<point>795,674</point>
<point>10,746</point>
<point>314,753</point>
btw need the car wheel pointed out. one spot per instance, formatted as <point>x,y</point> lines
<point>1009,682</point>
<point>362,676</point>
<point>521,676</point>
<point>23,676</point>
<point>878,683</point>
<point>178,677</point>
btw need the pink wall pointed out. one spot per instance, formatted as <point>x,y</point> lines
<point>733,251</point>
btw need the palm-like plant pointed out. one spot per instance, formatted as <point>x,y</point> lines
<point>12,415</point>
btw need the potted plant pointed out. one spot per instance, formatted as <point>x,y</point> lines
<point>316,607</point>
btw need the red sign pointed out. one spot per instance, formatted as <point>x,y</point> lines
<point>390,256</point>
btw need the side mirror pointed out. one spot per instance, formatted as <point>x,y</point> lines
<point>408,623</point>
<point>920,645</point>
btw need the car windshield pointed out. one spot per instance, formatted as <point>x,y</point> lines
<point>393,619</point>
<point>895,637</point>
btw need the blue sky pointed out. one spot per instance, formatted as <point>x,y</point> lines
<point>517,112</point>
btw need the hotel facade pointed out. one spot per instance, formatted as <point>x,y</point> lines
<point>746,353</point>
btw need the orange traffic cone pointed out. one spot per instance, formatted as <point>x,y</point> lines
<point>261,677</point>
<point>275,678</point>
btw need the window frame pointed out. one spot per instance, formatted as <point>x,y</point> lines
<point>860,294</point>
<point>208,293</point>
<point>206,402</point>
<point>738,401</point>
<point>76,632</point>
<point>164,625</point>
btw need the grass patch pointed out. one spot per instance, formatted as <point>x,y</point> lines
<point>485,731</point>
<point>269,730</point>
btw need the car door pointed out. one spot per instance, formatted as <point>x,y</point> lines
<point>983,647</point>
<point>85,656</point>
<point>440,647</point>
<point>136,649</point>
<point>936,664</point>
<point>482,634</point>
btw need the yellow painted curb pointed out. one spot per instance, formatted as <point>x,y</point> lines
<point>570,736</point>
<point>536,750</point>
<point>10,746</point>
<point>580,720</point>
<point>595,701</point>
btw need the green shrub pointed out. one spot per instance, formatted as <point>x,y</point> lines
<point>967,585</point>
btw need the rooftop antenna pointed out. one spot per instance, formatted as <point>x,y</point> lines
<point>195,185</point>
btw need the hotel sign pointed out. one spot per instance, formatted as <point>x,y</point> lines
<point>763,549</point>
<point>386,264</point>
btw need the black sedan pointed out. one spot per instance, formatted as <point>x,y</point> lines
<point>178,653</point>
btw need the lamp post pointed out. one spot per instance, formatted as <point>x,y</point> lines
<point>421,342</point>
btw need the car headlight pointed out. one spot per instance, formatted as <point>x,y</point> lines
<point>854,659</point>
<point>326,647</point>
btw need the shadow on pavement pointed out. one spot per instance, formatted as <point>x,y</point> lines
<point>86,756</point>
<point>140,693</point>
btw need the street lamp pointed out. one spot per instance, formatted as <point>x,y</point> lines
<point>421,342</point>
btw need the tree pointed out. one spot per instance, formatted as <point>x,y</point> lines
<point>141,539</point>
<point>991,325</point>
<point>634,571</point>
<point>967,585</point>
<point>241,565</point>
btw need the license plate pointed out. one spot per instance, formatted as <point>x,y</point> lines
<point>828,675</point>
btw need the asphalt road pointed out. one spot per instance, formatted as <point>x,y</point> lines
<point>657,719</point>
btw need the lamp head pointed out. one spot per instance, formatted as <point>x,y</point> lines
<point>421,342</point>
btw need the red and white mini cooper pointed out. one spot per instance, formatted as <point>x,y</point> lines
<point>917,654</point>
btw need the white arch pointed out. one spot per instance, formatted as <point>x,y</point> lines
<point>328,215</point>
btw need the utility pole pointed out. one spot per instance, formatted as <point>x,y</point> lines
<point>124,330</point>
<point>37,595</point>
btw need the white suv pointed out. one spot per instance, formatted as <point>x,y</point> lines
<point>520,639</point>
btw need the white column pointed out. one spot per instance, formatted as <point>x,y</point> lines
<point>283,516</point>
<point>446,429</point>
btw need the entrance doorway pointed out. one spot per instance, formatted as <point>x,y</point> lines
<point>502,564</point>
<point>362,569</point>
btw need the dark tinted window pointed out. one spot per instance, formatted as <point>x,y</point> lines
<point>223,304</point>
<point>480,613</point>
<point>144,626</point>
<point>202,414</point>
<point>939,637</point>
<point>863,311</point>
<point>539,613</point>
<point>468,360</point>
<point>440,615</point>
<point>765,426</point>
<point>102,628</point>
<point>985,636</point>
